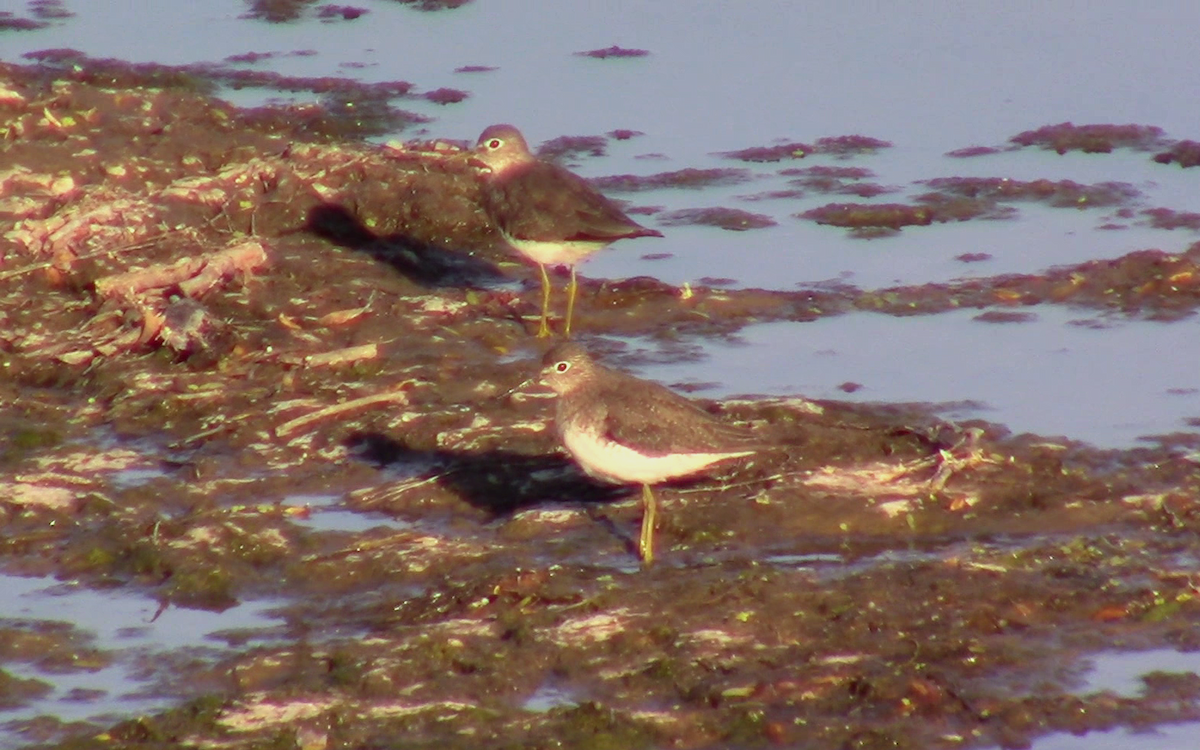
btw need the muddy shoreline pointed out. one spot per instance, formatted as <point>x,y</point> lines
<point>212,314</point>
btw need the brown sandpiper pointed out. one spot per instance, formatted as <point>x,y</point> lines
<point>546,213</point>
<point>625,430</point>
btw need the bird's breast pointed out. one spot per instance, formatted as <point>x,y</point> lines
<point>606,459</point>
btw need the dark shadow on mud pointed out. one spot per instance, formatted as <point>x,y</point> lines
<point>498,482</point>
<point>427,265</point>
<point>501,483</point>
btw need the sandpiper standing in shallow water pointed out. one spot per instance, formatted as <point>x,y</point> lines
<point>629,431</point>
<point>546,213</point>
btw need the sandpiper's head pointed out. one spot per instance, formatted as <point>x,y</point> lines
<point>500,147</point>
<point>566,366</point>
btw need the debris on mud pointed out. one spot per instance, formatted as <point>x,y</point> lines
<point>1091,139</point>
<point>1184,153</point>
<point>222,327</point>
<point>614,52</point>
<point>682,178</point>
<point>733,219</point>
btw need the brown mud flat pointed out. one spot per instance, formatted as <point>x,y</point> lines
<point>246,313</point>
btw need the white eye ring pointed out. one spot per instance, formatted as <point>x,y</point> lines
<point>562,366</point>
<point>495,143</point>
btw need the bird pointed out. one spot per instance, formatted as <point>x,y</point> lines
<point>625,430</point>
<point>545,212</point>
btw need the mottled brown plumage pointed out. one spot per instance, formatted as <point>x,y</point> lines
<point>546,213</point>
<point>625,430</point>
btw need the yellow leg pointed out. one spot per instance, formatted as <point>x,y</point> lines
<point>570,303</point>
<point>646,543</point>
<point>544,328</point>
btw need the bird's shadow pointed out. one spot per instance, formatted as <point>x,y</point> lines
<point>498,482</point>
<point>427,265</point>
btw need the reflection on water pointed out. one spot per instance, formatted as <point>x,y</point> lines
<point>126,640</point>
<point>1121,671</point>
<point>326,513</point>
<point>1108,384</point>
<point>549,696</point>
<point>719,79</point>
<point>1169,737</point>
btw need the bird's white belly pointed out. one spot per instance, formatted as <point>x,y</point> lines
<point>613,462</point>
<point>565,253</point>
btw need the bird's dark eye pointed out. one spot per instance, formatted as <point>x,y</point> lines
<point>562,367</point>
<point>495,143</point>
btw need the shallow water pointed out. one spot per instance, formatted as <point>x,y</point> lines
<point>1170,737</point>
<point>1121,671</point>
<point>1054,375</point>
<point>928,79</point>
<point>131,636</point>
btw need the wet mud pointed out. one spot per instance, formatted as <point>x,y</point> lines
<point>215,320</point>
